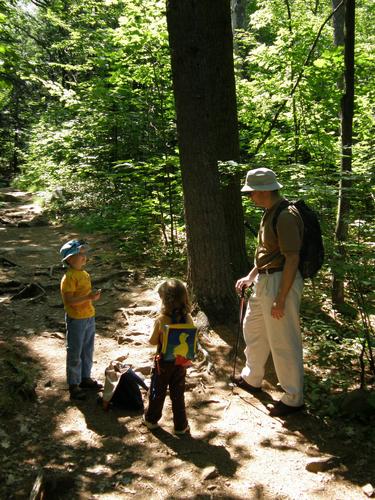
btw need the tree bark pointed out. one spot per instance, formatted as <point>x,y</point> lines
<point>338,23</point>
<point>238,9</point>
<point>235,227</point>
<point>231,194</point>
<point>202,68</point>
<point>17,128</point>
<point>347,112</point>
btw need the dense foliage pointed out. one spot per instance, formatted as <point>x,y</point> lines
<point>87,106</point>
<point>98,119</point>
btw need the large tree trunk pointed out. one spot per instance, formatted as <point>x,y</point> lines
<point>202,66</point>
<point>347,111</point>
<point>235,227</point>
<point>222,106</point>
<point>231,193</point>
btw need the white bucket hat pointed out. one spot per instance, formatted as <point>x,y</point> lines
<point>261,179</point>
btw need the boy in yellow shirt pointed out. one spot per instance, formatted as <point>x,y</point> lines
<point>78,299</point>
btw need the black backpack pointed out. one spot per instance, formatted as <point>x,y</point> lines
<point>312,250</point>
<point>127,394</point>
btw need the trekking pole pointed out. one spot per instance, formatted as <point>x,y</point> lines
<point>242,302</point>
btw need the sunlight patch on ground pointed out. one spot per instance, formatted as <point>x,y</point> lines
<point>72,427</point>
<point>52,352</point>
<point>99,469</point>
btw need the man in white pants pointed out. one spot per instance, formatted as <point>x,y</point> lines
<point>272,322</point>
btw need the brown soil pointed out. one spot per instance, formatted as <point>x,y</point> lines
<point>236,450</point>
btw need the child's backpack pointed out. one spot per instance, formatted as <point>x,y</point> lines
<point>179,343</point>
<point>121,387</point>
<point>127,394</point>
<point>312,250</point>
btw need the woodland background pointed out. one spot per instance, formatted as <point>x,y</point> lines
<point>88,123</point>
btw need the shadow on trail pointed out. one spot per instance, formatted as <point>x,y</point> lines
<point>346,446</point>
<point>348,442</point>
<point>44,438</point>
<point>199,451</point>
<point>256,493</point>
<point>103,423</point>
<point>341,447</point>
<point>92,457</point>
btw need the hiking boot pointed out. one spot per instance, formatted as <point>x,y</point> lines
<point>76,393</point>
<point>89,383</point>
<point>182,431</point>
<point>242,384</point>
<point>149,425</point>
<point>280,409</point>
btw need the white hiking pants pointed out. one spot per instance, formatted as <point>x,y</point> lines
<point>282,337</point>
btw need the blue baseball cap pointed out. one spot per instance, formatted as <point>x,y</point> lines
<point>72,247</point>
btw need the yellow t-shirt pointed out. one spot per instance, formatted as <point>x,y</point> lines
<point>78,283</point>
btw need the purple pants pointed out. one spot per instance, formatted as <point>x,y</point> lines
<point>172,376</point>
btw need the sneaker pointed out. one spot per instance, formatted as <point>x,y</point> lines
<point>89,383</point>
<point>242,384</point>
<point>182,431</point>
<point>280,409</point>
<point>148,424</point>
<point>76,392</point>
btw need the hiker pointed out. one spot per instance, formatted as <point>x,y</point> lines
<point>272,322</point>
<point>175,308</point>
<point>78,299</point>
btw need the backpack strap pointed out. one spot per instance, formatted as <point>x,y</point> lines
<point>282,206</point>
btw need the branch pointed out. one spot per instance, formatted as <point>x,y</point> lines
<point>41,4</point>
<point>289,15</point>
<point>307,61</point>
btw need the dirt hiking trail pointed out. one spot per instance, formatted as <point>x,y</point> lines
<point>76,450</point>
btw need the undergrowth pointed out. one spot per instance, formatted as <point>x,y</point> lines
<point>333,347</point>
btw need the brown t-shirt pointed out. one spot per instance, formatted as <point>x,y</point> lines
<point>272,248</point>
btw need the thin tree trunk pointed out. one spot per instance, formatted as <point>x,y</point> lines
<point>339,33</point>
<point>294,107</point>
<point>338,23</point>
<point>238,10</point>
<point>14,160</point>
<point>347,111</point>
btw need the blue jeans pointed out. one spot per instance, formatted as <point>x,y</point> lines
<point>80,335</point>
